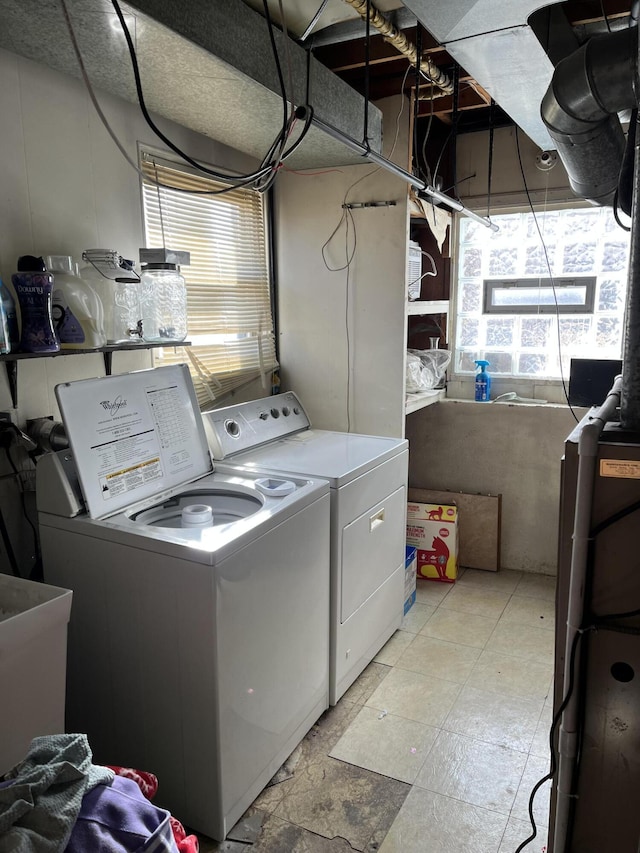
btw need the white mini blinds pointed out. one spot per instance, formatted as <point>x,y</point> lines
<point>230,322</point>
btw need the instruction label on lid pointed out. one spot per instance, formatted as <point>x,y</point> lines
<point>625,469</point>
<point>133,435</point>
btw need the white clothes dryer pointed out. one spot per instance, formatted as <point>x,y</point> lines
<point>198,641</point>
<point>368,479</point>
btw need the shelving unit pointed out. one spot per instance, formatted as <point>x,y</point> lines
<point>422,399</point>
<point>436,287</point>
<point>11,359</point>
<point>428,306</point>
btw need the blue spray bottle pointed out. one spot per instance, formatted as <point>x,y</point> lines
<point>483,382</point>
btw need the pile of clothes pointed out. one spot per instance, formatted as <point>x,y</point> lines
<point>57,801</point>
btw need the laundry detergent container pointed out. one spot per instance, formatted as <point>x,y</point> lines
<point>33,664</point>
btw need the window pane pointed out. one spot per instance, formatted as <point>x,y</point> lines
<point>464,362</point>
<point>471,261</point>
<point>611,295</point>
<point>609,332</point>
<point>534,332</point>
<point>500,362</point>
<point>503,261</point>
<point>615,257</point>
<point>539,296</point>
<point>534,364</point>
<point>579,257</point>
<point>469,332</point>
<point>500,332</point>
<point>575,332</point>
<point>471,298</point>
<point>549,224</point>
<point>536,260</point>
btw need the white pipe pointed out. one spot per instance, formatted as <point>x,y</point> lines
<point>379,160</point>
<point>568,734</point>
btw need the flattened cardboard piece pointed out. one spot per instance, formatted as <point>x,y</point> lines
<point>479,518</point>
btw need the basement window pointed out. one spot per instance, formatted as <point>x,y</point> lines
<point>229,293</point>
<point>529,309</point>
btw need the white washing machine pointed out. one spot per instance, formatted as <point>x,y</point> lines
<point>199,653</point>
<point>368,479</point>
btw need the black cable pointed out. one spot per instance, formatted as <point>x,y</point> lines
<point>36,541</point>
<point>456,119</point>
<point>551,276</point>
<point>604,15</point>
<point>276,57</point>
<point>490,165</point>
<point>138,83</point>
<point>8,547</point>
<point>367,46</point>
<point>616,214</point>
<point>552,732</point>
<point>427,171</point>
<point>416,100</point>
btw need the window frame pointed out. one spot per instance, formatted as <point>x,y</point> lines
<point>460,384</point>
<point>491,284</point>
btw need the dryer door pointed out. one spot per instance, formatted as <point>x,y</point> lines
<point>372,549</point>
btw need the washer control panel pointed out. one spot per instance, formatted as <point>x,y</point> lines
<point>240,427</point>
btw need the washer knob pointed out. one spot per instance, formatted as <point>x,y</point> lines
<point>264,416</point>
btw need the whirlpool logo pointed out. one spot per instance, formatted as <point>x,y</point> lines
<point>113,406</point>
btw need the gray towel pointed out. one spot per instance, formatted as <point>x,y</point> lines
<point>38,810</point>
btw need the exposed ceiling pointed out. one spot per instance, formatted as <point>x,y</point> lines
<point>208,64</point>
<point>492,49</point>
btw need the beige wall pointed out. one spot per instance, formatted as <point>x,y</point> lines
<point>507,185</point>
<point>511,450</point>
<point>343,332</point>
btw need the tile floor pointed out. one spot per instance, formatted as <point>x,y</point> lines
<point>435,748</point>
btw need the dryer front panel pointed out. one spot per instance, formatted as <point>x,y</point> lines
<point>371,549</point>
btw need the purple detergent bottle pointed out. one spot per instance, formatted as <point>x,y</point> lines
<point>34,289</point>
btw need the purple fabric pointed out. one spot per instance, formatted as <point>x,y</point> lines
<point>117,818</point>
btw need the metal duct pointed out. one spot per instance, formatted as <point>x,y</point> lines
<point>580,109</point>
<point>402,44</point>
<point>495,44</point>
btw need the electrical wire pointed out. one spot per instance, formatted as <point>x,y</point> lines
<point>490,164</point>
<point>8,547</point>
<point>604,15</point>
<point>427,172</point>
<point>551,276</point>
<point>552,733</point>
<point>143,107</point>
<point>310,26</point>
<point>36,571</point>
<point>268,167</point>
<point>110,131</point>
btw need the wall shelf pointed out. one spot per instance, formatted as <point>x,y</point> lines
<point>422,399</point>
<point>430,306</point>
<point>11,359</point>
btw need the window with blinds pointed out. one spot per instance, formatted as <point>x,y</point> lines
<point>230,322</point>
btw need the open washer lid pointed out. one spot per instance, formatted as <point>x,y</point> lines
<point>133,436</point>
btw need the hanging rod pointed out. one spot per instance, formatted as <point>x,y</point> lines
<point>420,185</point>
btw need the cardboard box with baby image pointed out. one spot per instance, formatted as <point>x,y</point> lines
<point>433,530</point>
